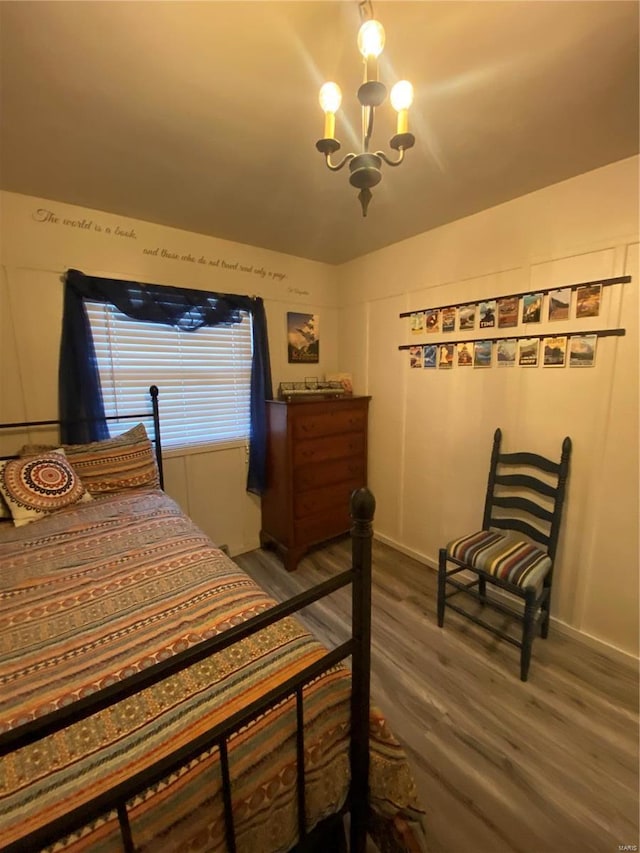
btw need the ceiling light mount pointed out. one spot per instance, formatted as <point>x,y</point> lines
<point>365,167</point>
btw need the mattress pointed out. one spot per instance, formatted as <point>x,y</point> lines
<point>104,589</point>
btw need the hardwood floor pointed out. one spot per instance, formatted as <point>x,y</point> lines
<point>501,766</point>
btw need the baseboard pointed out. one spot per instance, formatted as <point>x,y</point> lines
<point>416,555</point>
<point>595,643</point>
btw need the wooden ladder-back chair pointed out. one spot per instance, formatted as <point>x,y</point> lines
<point>525,495</point>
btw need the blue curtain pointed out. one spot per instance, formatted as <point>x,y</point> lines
<point>80,394</point>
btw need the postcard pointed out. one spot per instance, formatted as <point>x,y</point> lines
<point>554,351</point>
<point>417,322</point>
<point>465,354</point>
<point>432,320</point>
<point>415,357</point>
<point>508,312</point>
<point>582,350</point>
<point>446,355</point>
<point>528,352</point>
<point>532,307</point>
<point>482,353</point>
<point>588,300</point>
<point>467,317</point>
<point>506,352</point>
<point>448,317</point>
<point>430,355</point>
<point>487,312</point>
<point>559,303</point>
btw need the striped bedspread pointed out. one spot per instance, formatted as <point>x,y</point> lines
<point>101,590</point>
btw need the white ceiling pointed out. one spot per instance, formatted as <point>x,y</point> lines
<point>204,115</point>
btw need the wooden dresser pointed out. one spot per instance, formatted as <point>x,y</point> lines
<point>316,456</point>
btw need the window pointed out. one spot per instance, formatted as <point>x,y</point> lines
<point>203,376</point>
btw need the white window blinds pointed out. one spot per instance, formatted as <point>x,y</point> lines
<point>203,376</point>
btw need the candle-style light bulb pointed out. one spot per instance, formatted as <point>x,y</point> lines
<point>330,99</point>
<point>370,45</point>
<point>401,100</point>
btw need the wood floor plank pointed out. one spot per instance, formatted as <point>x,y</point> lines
<point>501,766</point>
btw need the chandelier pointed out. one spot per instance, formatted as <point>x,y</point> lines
<point>365,167</point>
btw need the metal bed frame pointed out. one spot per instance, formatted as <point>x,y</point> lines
<point>358,647</point>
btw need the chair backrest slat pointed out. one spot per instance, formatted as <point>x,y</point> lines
<point>526,482</point>
<point>521,527</point>
<point>532,459</point>
<point>525,505</point>
<point>519,500</point>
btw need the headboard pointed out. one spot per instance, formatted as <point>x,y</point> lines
<point>139,416</point>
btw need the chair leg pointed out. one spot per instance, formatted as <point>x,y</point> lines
<point>442,579</point>
<point>546,612</point>
<point>482,587</point>
<point>527,632</point>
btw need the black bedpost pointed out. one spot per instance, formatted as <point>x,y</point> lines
<point>363,506</point>
<point>153,391</point>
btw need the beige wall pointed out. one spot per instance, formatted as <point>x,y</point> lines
<point>41,239</point>
<point>431,431</point>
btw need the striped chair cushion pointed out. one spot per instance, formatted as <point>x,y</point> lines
<point>502,555</point>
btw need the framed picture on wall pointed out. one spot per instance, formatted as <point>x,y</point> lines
<point>303,342</point>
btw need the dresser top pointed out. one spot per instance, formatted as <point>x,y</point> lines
<point>307,399</point>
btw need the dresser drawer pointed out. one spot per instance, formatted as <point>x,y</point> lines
<point>319,501</point>
<point>325,449</point>
<point>312,476</point>
<point>316,528</point>
<point>333,422</point>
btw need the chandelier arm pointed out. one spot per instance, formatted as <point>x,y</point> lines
<point>391,162</point>
<point>335,167</point>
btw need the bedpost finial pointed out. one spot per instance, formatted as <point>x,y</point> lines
<point>363,504</point>
<point>153,390</point>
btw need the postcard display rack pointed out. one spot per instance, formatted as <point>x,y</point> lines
<point>575,347</point>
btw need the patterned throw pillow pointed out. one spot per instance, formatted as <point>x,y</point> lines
<point>115,464</point>
<point>37,486</point>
